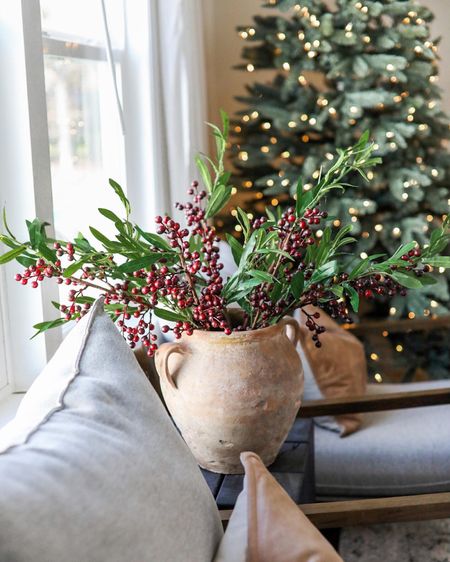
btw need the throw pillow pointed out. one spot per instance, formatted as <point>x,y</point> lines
<point>338,368</point>
<point>92,467</point>
<point>267,526</point>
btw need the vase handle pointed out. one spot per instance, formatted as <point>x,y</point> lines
<point>164,352</point>
<point>288,321</point>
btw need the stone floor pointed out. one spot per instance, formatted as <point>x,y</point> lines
<point>427,541</point>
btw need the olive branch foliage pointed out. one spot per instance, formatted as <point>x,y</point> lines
<point>262,262</point>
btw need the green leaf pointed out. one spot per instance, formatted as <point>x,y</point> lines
<point>43,326</point>
<point>5,224</point>
<point>218,199</point>
<point>12,254</point>
<point>140,263</point>
<point>263,276</point>
<point>225,123</point>
<point>82,243</point>
<point>110,215</point>
<point>36,231</point>
<point>74,267</point>
<point>403,249</point>
<point>244,222</point>
<point>327,270</point>
<point>168,315</point>
<point>119,191</point>
<point>361,267</point>
<point>46,252</point>
<point>354,297</point>
<point>155,240</point>
<point>297,284</point>
<point>204,172</point>
<point>406,280</point>
<point>100,237</point>
<point>236,248</point>
<point>439,261</point>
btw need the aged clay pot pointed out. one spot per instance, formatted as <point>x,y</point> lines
<point>229,394</point>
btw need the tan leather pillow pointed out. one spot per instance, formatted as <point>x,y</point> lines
<point>339,366</point>
<point>267,526</point>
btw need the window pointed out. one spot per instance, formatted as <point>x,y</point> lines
<point>83,102</point>
<point>84,126</point>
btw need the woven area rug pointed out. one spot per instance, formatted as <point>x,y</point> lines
<point>427,541</point>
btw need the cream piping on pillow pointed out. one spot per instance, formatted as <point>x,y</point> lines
<point>46,394</point>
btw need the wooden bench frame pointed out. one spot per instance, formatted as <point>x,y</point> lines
<point>348,513</point>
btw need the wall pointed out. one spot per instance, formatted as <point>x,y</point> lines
<point>223,47</point>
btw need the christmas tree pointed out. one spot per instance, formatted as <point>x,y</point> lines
<point>342,68</point>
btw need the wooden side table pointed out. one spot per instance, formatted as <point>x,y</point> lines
<point>293,469</point>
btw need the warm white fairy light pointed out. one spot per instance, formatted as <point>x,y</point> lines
<point>254,114</point>
<point>378,227</point>
<point>304,117</point>
<point>329,156</point>
<point>250,216</point>
<point>370,175</point>
<point>390,67</point>
<point>434,173</point>
<point>332,111</point>
<point>312,121</point>
<point>363,255</point>
<point>286,66</point>
<point>301,35</point>
<point>392,310</point>
<point>316,174</point>
<point>354,219</point>
<point>243,155</point>
<point>319,233</point>
<point>273,140</point>
<point>265,149</point>
<point>366,39</point>
<point>285,154</point>
<point>251,31</point>
<point>307,186</point>
<point>243,34</point>
<point>285,182</point>
<point>292,124</point>
<point>405,196</point>
<point>423,127</point>
<point>302,80</point>
<point>281,36</point>
<point>434,304</point>
<point>234,213</point>
<point>250,67</point>
<point>246,118</point>
<point>234,190</point>
<point>396,231</point>
<point>378,377</point>
<point>270,183</point>
<point>238,228</point>
<point>266,125</point>
<point>399,348</point>
<point>374,357</point>
<point>336,223</point>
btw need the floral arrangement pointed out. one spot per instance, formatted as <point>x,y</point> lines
<point>283,263</point>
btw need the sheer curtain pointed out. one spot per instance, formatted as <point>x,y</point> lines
<point>164,75</point>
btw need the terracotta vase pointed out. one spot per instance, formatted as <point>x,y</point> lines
<point>229,394</point>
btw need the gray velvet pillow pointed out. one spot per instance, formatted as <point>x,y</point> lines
<point>92,469</point>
